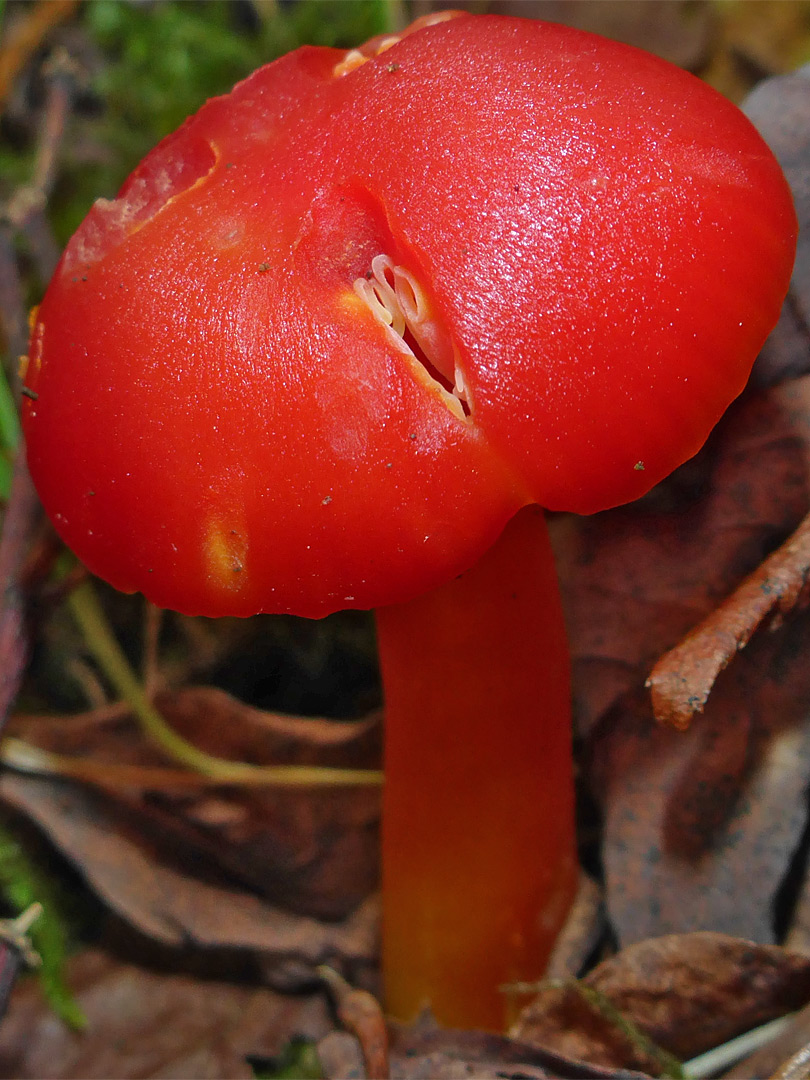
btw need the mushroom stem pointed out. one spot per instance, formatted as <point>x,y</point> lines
<point>479,857</point>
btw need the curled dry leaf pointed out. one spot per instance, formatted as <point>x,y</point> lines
<point>701,826</point>
<point>687,993</point>
<point>420,1054</point>
<point>780,108</point>
<point>681,34</point>
<point>581,932</point>
<point>130,875</point>
<point>143,1024</point>
<point>20,522</point>
<point>311,851</point>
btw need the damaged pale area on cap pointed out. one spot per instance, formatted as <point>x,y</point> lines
<point>376,46</point>
<point>175,171</point>
<point>31,363</point>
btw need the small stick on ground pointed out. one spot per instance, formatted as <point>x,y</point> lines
<point>682,679</point>
<point>25,210</point>
<point>28,35</point>
<point>360,1013</point>
<point>19,525</point>
<point>22,514</point>
<point>153,621</point>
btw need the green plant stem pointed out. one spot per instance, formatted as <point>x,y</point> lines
<point>9,421</point>
<point>87,612</point>
<point>669,1066</point>
<point>9,431</point>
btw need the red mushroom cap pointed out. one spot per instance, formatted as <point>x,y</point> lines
<point>343,323</point>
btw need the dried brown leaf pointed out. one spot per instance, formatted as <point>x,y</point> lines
<point>700,827</point>
<point>680,33</point>
<point>681,681</point>
<point>694,991</point>
<point>583,927</point>
<point>772,1059</point>
<point>637,579</point>
<point>419,1054</point>
<point>312,851</point>
<point>780,109</point>
<point>177,909</point>
<point>141,1024</point>
<point>687,993</point>
<point>562,1019</point>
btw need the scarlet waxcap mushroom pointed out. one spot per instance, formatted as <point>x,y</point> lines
<point>342,326</point>
<point>338,328</point>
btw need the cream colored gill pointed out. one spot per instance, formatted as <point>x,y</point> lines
<point>396,299</point>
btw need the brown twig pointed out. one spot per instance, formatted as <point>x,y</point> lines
<point>30,199</point>
<point>53,592</point>
<point>110,713</point>
<point>682,679</point>
<point>19,525</point>
<point>360,1013</point>
<point>27,758</point>
<point>22,512</point>
<point>13,320</point>
<point>153,621</point>
<point>797,1068</point>
<point>28,35</point>
<point>25,210</point>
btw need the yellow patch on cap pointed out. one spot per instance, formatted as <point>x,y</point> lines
<point>226,555</point>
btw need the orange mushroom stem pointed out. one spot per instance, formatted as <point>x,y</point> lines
<point>479,852</point>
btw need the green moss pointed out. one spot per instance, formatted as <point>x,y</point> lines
<point>22,884</point>
<point>158,63</point>
<point>298,1061</point>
